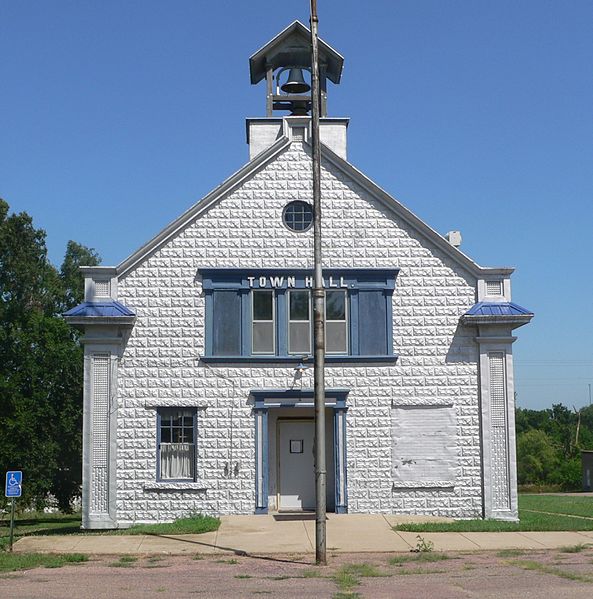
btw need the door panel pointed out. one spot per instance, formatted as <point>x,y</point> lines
<point>296,465</point>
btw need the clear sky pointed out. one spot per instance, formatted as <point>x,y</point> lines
<point>117,115</point>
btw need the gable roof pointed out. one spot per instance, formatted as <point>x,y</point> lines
<point>294,43</point>
<point>265,158</point>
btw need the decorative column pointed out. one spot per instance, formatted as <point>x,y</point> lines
<point>261,458</point>
<point>341,471</point>
<point>495,322</point>
<point>107,325</point>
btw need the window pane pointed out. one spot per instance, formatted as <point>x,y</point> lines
<point>336,339</point>
<point>177,461</point>
<point>262,305</point>
<point>165,435</point>
<point>299,338</point>
<point>263,337</point>
<point>188,435</point>
<point>335,305</point>
<point>299,305</point>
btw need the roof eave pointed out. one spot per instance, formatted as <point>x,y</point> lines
<point>100,320</point>
<point>502,319</point>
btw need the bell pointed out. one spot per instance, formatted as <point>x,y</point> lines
<point>295,83</point>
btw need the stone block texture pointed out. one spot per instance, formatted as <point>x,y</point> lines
<point>161,364</point>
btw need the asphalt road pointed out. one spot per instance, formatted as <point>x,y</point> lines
<point>476,575</point>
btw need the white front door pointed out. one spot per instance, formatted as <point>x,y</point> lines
<point>296,465</point>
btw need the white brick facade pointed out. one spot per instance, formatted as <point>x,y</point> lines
<point>160,364</point>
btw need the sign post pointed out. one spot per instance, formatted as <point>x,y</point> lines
<point>13,489</point>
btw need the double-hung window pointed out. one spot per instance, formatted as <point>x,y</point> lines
<point>263,329</point>
<point>299,321</point>
<point>177,444</point>
<point>336,322</point>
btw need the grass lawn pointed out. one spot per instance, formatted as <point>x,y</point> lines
<point>10,562</point>
<point>36,523</point>
<point>578,506</point>
<point>184,526</point>
<point>530,507</point>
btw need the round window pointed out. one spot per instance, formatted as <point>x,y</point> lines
<point>298,216</point>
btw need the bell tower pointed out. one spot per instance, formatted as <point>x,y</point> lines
<point>288,56</point>
<point>285,64</point>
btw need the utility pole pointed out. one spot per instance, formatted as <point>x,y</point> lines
<point>318,305</point>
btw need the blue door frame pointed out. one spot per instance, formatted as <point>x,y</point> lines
<point>263,400</point>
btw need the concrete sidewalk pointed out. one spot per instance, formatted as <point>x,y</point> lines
<point>282,534</point>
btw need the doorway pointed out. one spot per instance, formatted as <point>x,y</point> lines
<point>296,476</point>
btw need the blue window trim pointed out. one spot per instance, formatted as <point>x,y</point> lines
<point>354,280</point>
<point>159,413</point>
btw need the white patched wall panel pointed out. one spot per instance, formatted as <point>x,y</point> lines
<point>425,445</point>
<point>437,359</point>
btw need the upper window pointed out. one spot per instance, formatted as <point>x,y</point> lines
<point>177,444</point>
<point>298,216</point>
<point>268,313</point>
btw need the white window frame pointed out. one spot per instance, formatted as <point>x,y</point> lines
<point>160,414</point>
<point>289,321</point>
<point>254,321</point>
<point>346,322</point>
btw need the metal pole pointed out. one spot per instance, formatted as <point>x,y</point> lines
<point>11,524</point>
<point>318,305</point>
<point>589,393</point>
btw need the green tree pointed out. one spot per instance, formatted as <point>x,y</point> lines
<point>72,280</point>
<point>40,362</point>
<point>537,457</point>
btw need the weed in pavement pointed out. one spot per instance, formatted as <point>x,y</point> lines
<point>125,561</point>
<point>11,562</point>
<point>510,553</point>
<point>574,548</point>
<point>418,557</point>
<point>533,565</point>
<point>231,561</point>
<point>420,571</point>
<point>311,574</point>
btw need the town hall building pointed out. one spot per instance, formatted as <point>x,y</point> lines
<point>198,368</point>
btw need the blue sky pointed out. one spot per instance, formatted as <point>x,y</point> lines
<point>116,116</point>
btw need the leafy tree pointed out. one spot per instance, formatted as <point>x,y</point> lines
<point>72,280</point>
<point>536,457</point>
<point>40,362</point>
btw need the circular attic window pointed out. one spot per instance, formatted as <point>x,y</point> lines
<point>298,216</point>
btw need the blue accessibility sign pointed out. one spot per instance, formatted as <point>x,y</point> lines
<point>14,483</point>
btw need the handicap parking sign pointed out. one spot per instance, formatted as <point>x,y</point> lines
<point>14,483</point>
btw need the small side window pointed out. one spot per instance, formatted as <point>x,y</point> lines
<point>177,444</point>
